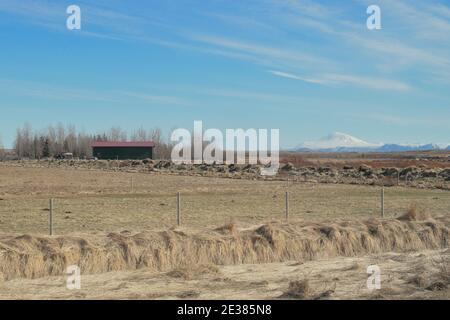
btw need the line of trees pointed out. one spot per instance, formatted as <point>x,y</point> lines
<point>55,140</point>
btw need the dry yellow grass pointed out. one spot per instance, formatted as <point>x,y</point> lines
<point>104,227</point>
<point>414,213</point>
<point>32,256</point>
<point>330,278</point>
<point>101,202</point>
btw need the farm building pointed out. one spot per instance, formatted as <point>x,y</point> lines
<point>123,150</point>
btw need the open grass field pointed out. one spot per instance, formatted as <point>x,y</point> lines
<point>120,228</point>
<point>99,202</point>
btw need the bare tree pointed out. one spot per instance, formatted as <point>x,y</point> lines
<point>60,139</point>
<point>84,145</point>
<point>2,150</point>
<point>37,147</point>
<point>70,141</point>
<point>140,135</point>
<point>116,134</point>
<point>18,143</point>
<point>51,140</point>
<point>163,149</point>
<point>24,142</point>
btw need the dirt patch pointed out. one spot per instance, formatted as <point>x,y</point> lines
<point>193,272</point>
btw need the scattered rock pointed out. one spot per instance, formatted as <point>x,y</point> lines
<point>437,286</point>
<point>365,168</point>
<point>288,167</point>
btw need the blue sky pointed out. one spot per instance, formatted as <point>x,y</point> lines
<point>306,67</point>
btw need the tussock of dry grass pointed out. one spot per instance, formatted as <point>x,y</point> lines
<point>33,256</point>
<point>414,214</point>
<point>301,289</point>
<point>441,278</point>
<point>418,281</point>
<point>228,228</point>
<point>435,276</point>
<point>298,290</point>
<point>443,266</point>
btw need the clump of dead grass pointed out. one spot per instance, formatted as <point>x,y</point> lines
<point>441,278</point>
<point>299,289</point>
<point>414,213</point>
<point>434,275</point>
<point>182,251</point>
<point>227,228</point>
<point>418,281</point>
<point>443,265</point>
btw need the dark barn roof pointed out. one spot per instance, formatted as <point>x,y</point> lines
<point>123,144</point>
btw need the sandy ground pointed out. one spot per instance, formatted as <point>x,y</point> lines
<point>419,275</point>
<point>98,202</point>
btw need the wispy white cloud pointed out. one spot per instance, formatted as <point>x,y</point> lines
<point>390,51</point>
<point>241,21</point>
<point>64,93</point>
<point>172,100</point>
<point>295,77</point>
<point>244,95</point>
<point>441,10</point>
<point>425,19</point>
<point>304,7</point>
<point>367,82</point>
<point>416,38</point>
<point>51,92</point>
<point>39,10</point>
<point>108,24</point>
<point>403,120</point>
<point>345,79</point>
<point>265,51</point>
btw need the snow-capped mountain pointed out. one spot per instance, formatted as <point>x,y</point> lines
<point>336,142</point>
<point>341,142</point>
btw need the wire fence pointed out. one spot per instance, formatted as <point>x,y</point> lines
<point>137,210</point>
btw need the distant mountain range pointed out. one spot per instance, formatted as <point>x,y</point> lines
<point>341,142</point>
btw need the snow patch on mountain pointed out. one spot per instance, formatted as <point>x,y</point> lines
<point>337,140</point>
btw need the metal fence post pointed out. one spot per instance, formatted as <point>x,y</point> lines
<point>382,202</point>
<point>178,209</point>
<point>50,222</point>
<point>287,205</point>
